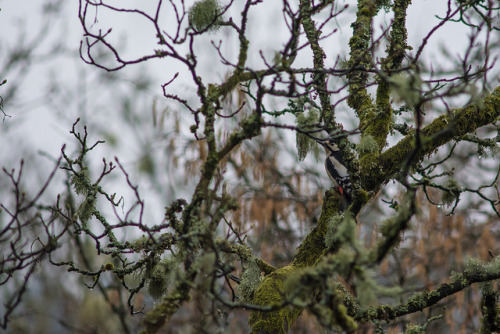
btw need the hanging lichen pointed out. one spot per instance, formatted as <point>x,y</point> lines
<point>205,15</point>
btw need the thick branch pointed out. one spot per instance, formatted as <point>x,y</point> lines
<point>271,291</point>
<point>378,126</point>
<point>442,130</point>
<point>360,57</point>
<point>313,246</point>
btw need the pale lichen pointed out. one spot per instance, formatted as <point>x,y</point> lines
<point>205,15</point>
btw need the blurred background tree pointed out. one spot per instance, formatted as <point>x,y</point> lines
<point>189,193</point>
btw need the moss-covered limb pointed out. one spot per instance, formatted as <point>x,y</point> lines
<point>191,217</point>
<point>360,61</point>
<point>108,228</point>
<point>271,292</point>
<point>207,171</point>
<point>379,128</point>
<point>397,46</point>
<point>313,246</point>
<point>393,227</point>
<point>490,323</point>
<point>313,35</point>
<point>250,127</point>
<point>474,272</point>
<point>359,99</point>
<point>377,170</point>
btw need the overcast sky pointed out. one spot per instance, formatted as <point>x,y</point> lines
<point>40,121</point>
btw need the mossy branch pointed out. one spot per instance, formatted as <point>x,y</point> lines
<point>360,60</point>
<point>379,169</point>
<point>379,126</point>
<point>313,246</point>
<point>313,36</point>
<point>271,291</point>
<point>443,129</point>
<point>474,272</point>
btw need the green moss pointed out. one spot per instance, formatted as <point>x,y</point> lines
<point>363,196</point>
<point>251,125</point>
<point>359,43</point>
<point>473,268</point>
<point>370,168</point>
<point>270,293</point>
<point>242,57</point>
<point>418,301</point>
<point>301,287</point>
<point>271,290</point>
<point>382,312</point>
<point>331,237</point>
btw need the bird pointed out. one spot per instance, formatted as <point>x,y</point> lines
<point>337,171</point>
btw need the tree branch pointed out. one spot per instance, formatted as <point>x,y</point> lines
<point>442,130</point>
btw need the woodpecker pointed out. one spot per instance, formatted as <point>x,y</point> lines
<point>337,171</point>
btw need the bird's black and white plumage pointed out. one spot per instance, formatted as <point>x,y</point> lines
<point>337,171</point>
